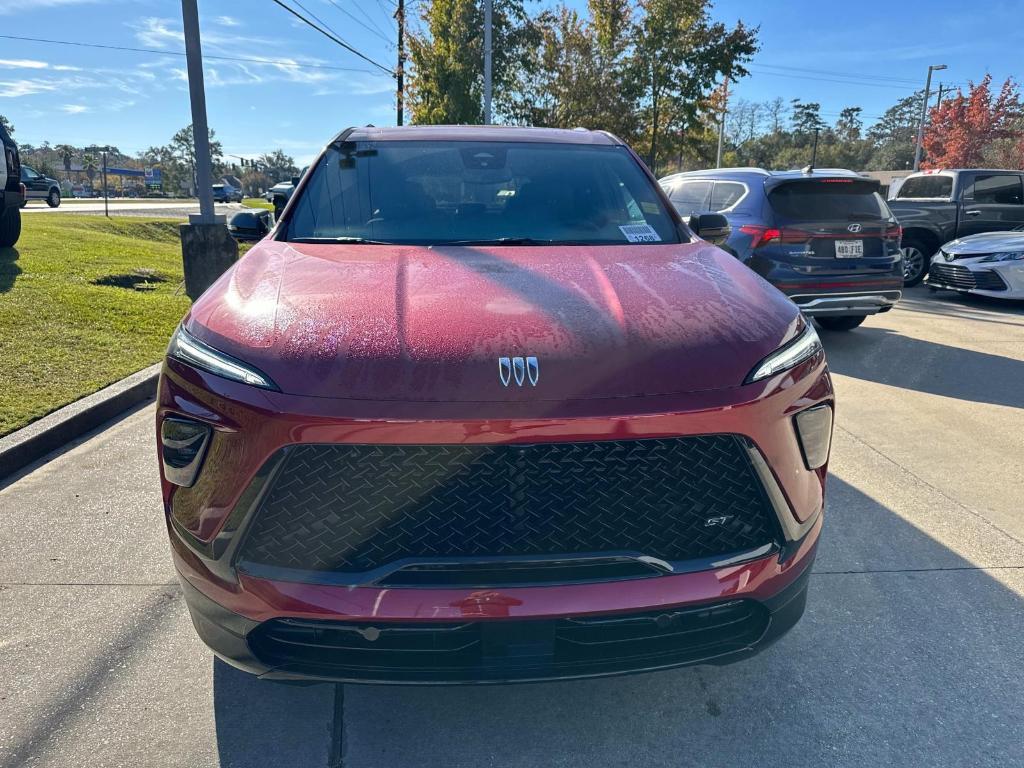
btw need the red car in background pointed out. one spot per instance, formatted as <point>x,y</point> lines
<point>483,408</point>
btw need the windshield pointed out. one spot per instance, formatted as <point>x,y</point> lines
<point>926,188</point>
<point>829,199</point>
<point>436,192</point>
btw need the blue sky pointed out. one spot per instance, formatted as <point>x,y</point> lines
<point>809,50</point>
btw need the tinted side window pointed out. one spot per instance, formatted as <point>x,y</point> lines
<point>926,187</point>
<point>1002,189</point>
<point>726,194</point>
<point>691,196</point>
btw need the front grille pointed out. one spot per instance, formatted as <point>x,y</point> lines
<point>356,508</point>
<point>509,649</point>
<point>959,276</point>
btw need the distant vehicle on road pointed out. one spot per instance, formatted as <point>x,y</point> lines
<point>40,187</point>
<point>281,193</point>
<point>12,191</point>
<point>825,237</point>
<point>225,193</point>
<point>485,408</point>
<point>988,264</point>
<point>935,207</point>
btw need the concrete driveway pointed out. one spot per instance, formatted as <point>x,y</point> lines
<point>910,653</point>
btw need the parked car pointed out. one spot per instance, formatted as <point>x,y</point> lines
<point>936,207</point>
<point>281,193</point>
<point>225,193</point>
<point>825,237</point>
<point>12,191</point>
<point>40,187</point>
<point>485,408</point>
<point>250,225</point>
<point>989,264</point>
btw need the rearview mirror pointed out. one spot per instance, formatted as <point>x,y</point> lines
<point>713,227</point>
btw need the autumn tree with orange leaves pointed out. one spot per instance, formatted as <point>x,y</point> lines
<point>977,129</point>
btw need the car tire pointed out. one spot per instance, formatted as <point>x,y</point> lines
<point>846,323</point>
<point>53,199</point>
<point>916,258</point>
<point>10,227</point>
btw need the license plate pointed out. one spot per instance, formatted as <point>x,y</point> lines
<point>849,249</point>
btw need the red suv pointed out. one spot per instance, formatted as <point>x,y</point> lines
<point>483,408</point>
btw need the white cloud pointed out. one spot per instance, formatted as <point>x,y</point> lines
<point>74,109</point>
<point>23,64</point>
<point>228,21</point>
<point>14,88</point>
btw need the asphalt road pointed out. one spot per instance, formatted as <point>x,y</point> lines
<point>169,209</point>
<point>910,652</point>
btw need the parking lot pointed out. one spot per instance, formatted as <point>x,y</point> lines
<point>909,654</point>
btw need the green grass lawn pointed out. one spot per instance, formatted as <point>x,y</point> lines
<point>257,202</point>
<point>84,301</point>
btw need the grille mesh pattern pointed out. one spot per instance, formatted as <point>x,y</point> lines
<point>353,508</point>
<point>958,276</point>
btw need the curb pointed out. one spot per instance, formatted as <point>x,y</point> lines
<point>55,430</point>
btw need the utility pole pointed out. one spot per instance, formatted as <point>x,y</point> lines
<point>197,94</point>
<point>400,18</point>
<point>924,113</point>
<point>938,98</point>
<point>207,248</point>
<point>721,124</point>
<point>488,8</point>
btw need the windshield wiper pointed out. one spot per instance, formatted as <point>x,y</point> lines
<point>499,241</point>
<point>340,240</point>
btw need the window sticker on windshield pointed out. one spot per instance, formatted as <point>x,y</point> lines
<point>640,233</point>
<point>651,208</point>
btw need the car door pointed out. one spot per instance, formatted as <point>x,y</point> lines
<point>35,183</point>
<point>992,202</point>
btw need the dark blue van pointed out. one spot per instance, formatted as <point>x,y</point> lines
<point>824,237</point>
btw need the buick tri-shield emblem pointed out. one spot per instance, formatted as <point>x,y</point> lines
<point>518,369</point>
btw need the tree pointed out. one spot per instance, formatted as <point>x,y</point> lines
<point>894,135</point>
<point>806,117</point>
<point>90,167</point>
<point>6,125</point>
<point>849,125</point>
<point>446,81</point>
<point>278,166</point>
<point>962,128</point>
<point>67,152</point>
<point>183,144</point>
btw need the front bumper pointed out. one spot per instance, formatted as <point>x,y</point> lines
<point>515,635</point>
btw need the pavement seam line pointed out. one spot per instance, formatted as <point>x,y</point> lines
<point>923,570</point>
<point>336,756</point>
<point>924,482</point>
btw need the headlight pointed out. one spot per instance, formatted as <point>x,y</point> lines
<point>806,345</point>
<point>187,348</point>
<point>1007,256</point>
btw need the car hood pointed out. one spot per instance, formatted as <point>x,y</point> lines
<point>430,324</point>
<point>986,242</point>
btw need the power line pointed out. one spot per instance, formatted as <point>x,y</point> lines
<point>835,80</point>
<point>330,29</point>
<point>858,75</point>
<point>334,38</point>
<point>277,62</point>
<point>376,28</point>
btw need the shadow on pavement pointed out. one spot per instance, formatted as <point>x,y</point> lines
<point>888,357</point>
<point>914,668</point>
<point>908,654</point>
<point>9,269</point>
<point>982,309</point>
<point>260,723</point>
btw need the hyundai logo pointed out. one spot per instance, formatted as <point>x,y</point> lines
<point>519,369</point>
<point>854,227</point>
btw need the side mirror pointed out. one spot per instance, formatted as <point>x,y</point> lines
<point>713,227</point>
<point>295,180</point>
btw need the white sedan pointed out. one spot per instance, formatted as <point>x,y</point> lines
<point>989,264</point>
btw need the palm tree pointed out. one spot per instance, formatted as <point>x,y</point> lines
<point>89,165</point>
<point>66,152</point>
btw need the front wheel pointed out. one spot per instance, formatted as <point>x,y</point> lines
<point>847,323</point>
<point>915,262</point>
<point>10,226</point>
<point>53,199</point>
